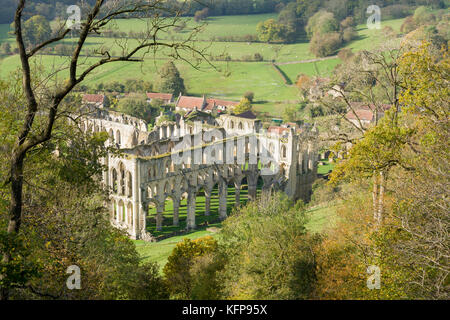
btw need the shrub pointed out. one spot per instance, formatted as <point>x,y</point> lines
<point>249,95</point>
<point>345,54</point>
<point>201,14</point>
<point>408,25</point>
<point>326,44</point>
<point>177,270</point>
<point>269,254</point>
<point>321,23</point>
<point>349,34</point>
<point>348,22</point>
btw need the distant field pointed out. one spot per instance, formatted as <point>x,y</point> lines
<point>228,80</point>
<point>215,26</point>
<point>319,68</point>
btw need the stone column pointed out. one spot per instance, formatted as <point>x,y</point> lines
<point>208,202</point>
<point>191,203</point>
<point>159,215</point>
<point>237,194</point>
<point>176,212</point>
<point>252,180</point>
<point>223,192</point>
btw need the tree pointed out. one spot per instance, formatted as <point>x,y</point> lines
<point>323,45</point>
<point>268,252</point>
<point>243,106</point>
<point>62,196</point>
<point>345,54</point>
<point>43,103</point>
<point>136,105</point>
<point>291,113</point>
<point>270,31</point>
<point>201,14</point>
<point>177,270</point>
<point>36,30</point>
<point>321,23</point>
<point>169,80</point>
<point>409,241</point>
<point>6,48</point>
<point>249,95</point>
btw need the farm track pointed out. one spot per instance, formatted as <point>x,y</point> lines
<point>305,61</point>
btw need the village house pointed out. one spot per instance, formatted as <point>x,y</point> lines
<point>363,115</point>
<point>186,103</point>
<point>97,100</point>
<point>166,98</point>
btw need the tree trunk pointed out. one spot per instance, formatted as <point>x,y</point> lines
<point>375,197</point>
<point>381,198</point>
<point>15,211</point>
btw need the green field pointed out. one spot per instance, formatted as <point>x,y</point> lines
<point>224,80</point>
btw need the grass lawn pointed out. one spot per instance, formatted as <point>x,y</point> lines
<point>322,218</point>
<point>326,168</point>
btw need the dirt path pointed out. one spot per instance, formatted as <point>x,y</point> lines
<point>305,61</point>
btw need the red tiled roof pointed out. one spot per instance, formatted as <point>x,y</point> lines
<point>224,103</point>
<point>190,102</point>
<point>277,130</point>
<point>94,98</point>
<point>369,106</point>
<point>217,102</point>
<point>361,114</point>
<point>161,96</point>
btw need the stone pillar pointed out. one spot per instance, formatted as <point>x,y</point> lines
<point>159,215</point>
<point>223,192</point>
<point>176,212</point>
<point>191,203</point>
<point>252,180</point>
<point>237,194</point>
<point>208,202</point>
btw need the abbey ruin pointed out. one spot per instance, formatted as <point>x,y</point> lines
<point>194,155</point>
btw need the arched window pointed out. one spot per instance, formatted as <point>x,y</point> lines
<point>232,124</point>
<point>240,126</point>
<point>114,180</point>
<point>118,138</point>
<point>111,135</point>
<point>283,151</point>
<point>130,184</point>
<point>122,179</point>
<point>167,167</point>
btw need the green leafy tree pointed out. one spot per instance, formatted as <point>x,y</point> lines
<point>36,30</point>
<point>169,80</point>
<point>136,105</point>
<point>321,23</point>
<point>243,106</point>
<point>270,31</point>
<point>177,270</point>
<point>269,254</point>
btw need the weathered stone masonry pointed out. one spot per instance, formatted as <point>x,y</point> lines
<point>148,174</point>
